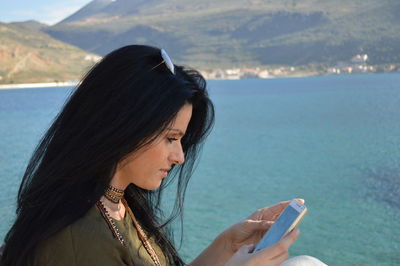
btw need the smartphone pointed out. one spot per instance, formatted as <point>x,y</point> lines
<point>286,222</point>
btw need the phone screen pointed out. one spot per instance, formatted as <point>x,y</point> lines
<point>281,225</point>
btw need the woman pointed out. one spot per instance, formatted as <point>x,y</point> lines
<point>91,192</point>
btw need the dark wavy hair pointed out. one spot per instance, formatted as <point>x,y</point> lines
<point>126,100</point>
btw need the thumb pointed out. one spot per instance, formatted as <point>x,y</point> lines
<point>259,225</point>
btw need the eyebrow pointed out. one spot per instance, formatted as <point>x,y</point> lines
<point>177,130</point>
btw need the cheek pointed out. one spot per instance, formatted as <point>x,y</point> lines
<point>155,153</point>
<point>148,160</point>
<point>131,164</point>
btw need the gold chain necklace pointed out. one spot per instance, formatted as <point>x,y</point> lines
<point>142,235</point>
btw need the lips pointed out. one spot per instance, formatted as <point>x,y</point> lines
<point>165,171</point>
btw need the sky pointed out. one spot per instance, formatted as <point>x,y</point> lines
<point>46,11</point>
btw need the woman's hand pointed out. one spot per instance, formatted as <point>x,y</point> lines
<point>273,255</point>
<point>252,229</point>
<point>247,232</point>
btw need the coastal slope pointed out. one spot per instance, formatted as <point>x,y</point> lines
<point>28,55</point>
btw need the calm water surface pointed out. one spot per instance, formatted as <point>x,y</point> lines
<point>334,141</point>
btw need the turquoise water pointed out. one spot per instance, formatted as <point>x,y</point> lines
<point>334,141</point>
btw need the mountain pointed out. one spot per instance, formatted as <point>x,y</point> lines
<point>228,33</point>
<point>88,10</point>
<point>31,24</point>
<point>28,55</point>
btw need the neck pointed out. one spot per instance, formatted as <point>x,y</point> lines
<point>115,182</point>
<point>118,181</point>
<point>116,210</point>
<point>111,205</point>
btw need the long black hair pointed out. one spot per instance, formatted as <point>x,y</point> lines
<point>126,100</point>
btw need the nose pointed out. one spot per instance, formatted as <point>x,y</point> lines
<point>177,156</point>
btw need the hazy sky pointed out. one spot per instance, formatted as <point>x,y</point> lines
<point>47,11</point>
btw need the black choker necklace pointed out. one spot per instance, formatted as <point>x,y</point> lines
<point>113,194</point>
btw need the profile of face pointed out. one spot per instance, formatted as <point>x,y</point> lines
<point>147,166</point>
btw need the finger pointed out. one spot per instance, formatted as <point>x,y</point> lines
<point>263,228</point>
<point>289,239</point>
<point>300,200</point>
<point>267,225</point>
<point>255,228</point>
<point>245,249</point>
<point>283,245</point>
<point>263,257</point>
<point>279,259</point>
<point>259,224</point>
<point>275,209</point>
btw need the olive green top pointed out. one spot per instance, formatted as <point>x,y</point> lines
<point>89,241</point>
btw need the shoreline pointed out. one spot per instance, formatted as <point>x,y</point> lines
<point>15,86</point>
<point>36,85</point>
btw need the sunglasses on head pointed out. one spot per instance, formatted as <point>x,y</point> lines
<point>167,60</point>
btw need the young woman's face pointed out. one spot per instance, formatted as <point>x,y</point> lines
<point>149,165</point>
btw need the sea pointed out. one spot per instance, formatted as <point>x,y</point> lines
<point>332,140</point>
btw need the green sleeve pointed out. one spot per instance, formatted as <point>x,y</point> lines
<point>58,250</point>
<point>65,249</point>
<point>87,242</point>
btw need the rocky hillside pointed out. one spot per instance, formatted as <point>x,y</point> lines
<point>226,33</point>
<point>28,55</point>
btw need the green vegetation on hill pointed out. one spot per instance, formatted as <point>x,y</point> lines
<point>206,34</point>
<point>31,24</point>
<point>28,55</point>
<point>237,33</point>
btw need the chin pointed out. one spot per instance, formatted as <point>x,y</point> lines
<point>152,186</point>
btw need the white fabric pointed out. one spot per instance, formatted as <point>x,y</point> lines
<point>303,260</point>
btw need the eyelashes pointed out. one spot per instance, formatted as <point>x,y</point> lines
<point>170,140</point>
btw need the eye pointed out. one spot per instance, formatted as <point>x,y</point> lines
<point>172,139</point>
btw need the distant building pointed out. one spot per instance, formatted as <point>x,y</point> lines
<point>264,74</point>
<point>235,71</point>
<point>359,59</point>
<point>333,70</point>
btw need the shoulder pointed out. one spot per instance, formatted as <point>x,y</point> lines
<point>87,241</point>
